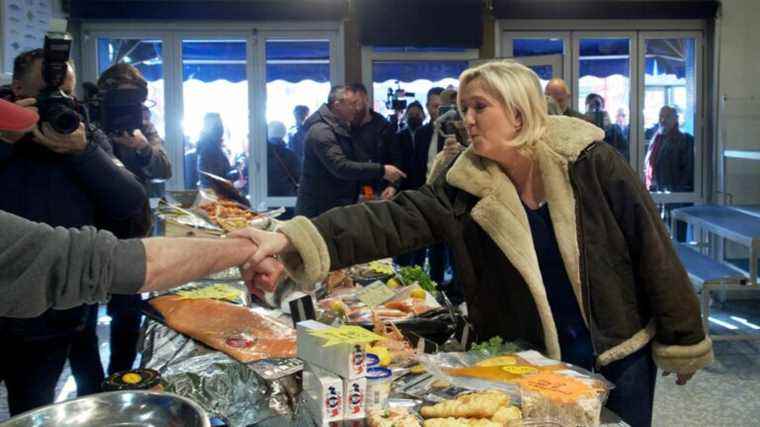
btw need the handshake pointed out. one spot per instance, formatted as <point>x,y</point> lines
<point>263,269</point>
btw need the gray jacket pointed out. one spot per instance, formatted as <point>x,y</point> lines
<point>43,267</point>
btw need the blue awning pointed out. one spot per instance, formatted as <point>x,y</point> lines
<point>409,71</point>
<point>213,60</point>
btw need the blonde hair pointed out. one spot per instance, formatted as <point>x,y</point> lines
<point>518,89</point>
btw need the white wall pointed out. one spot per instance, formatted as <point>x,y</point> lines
<point>739,70</point>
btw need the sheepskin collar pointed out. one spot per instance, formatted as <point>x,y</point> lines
<point>501,214</point>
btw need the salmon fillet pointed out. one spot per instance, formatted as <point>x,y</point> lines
<point>235,330</point>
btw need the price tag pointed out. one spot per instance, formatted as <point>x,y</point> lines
<point>345,334</point>
<point>302,309</point>
<point>375,294</point>
<point>557,387</point>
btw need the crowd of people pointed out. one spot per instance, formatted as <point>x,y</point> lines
<point>468,183</point>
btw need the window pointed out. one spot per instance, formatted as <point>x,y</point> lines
<point>415,78</point>
<point>298,75</point>
<point>215,109</point>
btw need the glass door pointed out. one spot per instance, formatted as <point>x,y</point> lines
<point>603,84</point>
<point>545,53</point>
<point>214,119</point>
<point>670,143</point>
<point>295,82</point>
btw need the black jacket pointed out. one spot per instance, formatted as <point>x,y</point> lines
<point>212,159</point>
<point>374,142</point>
<point>91,188</point>
<point>331,174</point>
<point>283,169</point>
<point>415,155</point>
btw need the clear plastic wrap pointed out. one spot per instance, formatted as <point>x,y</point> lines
<point>546,388</point>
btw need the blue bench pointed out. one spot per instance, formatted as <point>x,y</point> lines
<point>708,274</point>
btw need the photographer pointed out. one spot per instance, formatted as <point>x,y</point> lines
<point>141,150</point>
<point>61,173</point>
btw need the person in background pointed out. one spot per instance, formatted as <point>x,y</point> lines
<point>558,90</point>
<point>416,162</point>
<point>331,174</point>
<point>553,234</point>
<point>142,151</point>
<point>669,164</point>
<point>69,180</point>
<point>598,115</point>
<point>212,157</point>
<point>670,158</point>
<point>283,169</point>
<point>297,134</point>
<point>373,139</point>
<point>621,121</point>
<point>143,154</point>
<point>406,141</point>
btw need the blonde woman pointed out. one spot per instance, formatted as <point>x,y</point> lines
<point>554,238</point>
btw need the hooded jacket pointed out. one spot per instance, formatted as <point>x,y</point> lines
<point>331,174</point>
<point>625,274</point>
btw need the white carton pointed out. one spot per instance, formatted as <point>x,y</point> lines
<point>345,360</point>
<point>324,395</point>
<point>354,398</point>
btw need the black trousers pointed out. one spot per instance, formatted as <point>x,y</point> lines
<point>31,369</point>
<point>126,320</point>
<point>633,396</point>
<point>84,357</point>
<point>410,259</point>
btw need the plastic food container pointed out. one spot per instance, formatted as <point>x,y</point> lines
<point>379,382</point>
<point>372,360</point>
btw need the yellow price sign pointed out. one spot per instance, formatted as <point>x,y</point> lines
<point>345,334</point>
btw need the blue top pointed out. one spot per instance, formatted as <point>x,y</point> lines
<point>574,337</point>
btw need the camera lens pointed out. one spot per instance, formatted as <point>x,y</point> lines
<point>62,119</point>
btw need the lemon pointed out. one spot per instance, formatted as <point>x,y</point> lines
<point>131,378</point>
<point>338,307</point>
<point>382,354</point>
<point>419,369</point>
<point>393,283</point>
<point>418,293</point>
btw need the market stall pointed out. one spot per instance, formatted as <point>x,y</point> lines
<point>375,344</point>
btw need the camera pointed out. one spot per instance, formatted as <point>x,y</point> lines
<point>395,100</point>
<point>54,106</point>
<point>116,110</point>
<point>449,123</point>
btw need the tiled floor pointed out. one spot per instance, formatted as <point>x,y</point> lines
<point>725,394</point>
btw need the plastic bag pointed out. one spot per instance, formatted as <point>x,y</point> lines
<point>545,387</point>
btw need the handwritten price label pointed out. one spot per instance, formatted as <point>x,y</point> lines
<point>376,294</point>
<point>345,334</point>
<point>557,387</point>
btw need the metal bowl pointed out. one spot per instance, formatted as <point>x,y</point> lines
<point>118,408</point>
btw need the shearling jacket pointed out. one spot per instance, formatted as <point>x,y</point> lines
<point>627,279</point>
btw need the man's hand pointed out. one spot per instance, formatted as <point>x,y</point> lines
<point>264,276</point>
<point>12,137</point>
<point>681,379</point>
<point>452,147</point>
<point>393,174</point>
<point>388,193</point>
<point>72,143</point>
<point>136,140</point>
<point>269,244</point>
